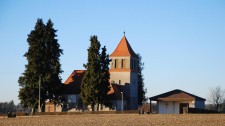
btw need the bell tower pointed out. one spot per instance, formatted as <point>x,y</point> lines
<point>123,71</point>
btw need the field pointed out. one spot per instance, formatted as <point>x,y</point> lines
<point>117,120</point>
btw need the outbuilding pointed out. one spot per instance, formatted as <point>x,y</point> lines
<point>176,102</point>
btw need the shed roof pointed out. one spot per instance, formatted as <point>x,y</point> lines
<point>176,95</point>
<point>123,49</point>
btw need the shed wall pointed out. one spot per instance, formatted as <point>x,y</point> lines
<point>200,104</point>
<point>172,107</point>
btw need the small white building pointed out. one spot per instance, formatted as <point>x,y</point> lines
<point>176,102</point>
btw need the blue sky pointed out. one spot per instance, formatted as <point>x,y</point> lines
<point>182,42</point>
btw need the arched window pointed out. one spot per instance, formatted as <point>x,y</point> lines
<point>123,64</point>
<point>116,63</point>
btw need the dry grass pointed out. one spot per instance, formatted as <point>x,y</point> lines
<point>117,120</point>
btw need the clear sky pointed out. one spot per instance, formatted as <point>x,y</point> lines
<point>182,42</point>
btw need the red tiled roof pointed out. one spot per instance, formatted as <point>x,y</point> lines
<point>176,95</point>
<point>123,49</point>
<point>75,77</point>
<point>111,91</point>
<point>73,84</point>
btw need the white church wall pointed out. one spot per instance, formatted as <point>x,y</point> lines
<point>120,77</point>
<point>119,65</point>
<point>124,75</point>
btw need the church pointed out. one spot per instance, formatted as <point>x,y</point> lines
<point>123,94</point>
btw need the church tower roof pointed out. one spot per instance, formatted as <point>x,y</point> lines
<point>123,49</point>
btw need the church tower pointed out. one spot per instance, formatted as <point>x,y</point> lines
<point>123,71</point>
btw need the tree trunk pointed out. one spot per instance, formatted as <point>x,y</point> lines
<point>97,106</point>
<point>217,107</point>
<point>93,107</point>
<point>43,107</point>
<point>33,111</point>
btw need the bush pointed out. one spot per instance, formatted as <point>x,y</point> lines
<point>200,111</point>
<point>11,115</point>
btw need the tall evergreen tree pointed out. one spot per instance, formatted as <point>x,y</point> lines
<point>53,69</point>
<point>104,85</point>
<point>141,90</point>
<point>28,93</point>
<point>94,85</point>
<point>89,89</point>
<point>43,61</point>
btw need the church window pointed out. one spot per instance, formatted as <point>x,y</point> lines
<point>123,64</point>
<point>119,81</point>
<point>116,63</point>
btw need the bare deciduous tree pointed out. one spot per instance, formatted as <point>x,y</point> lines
<point>217,97</point>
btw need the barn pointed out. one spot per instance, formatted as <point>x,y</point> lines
<point>176,102</point>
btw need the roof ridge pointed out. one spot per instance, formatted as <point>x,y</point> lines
<point>176,91</point>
